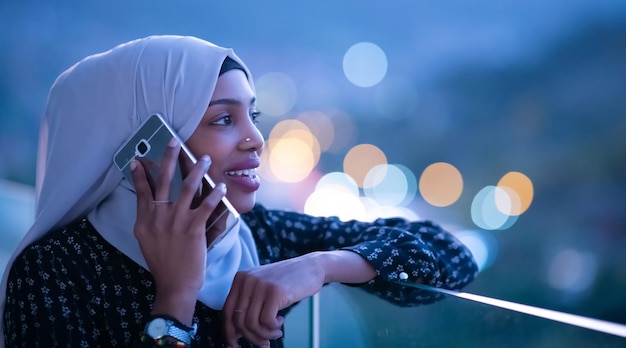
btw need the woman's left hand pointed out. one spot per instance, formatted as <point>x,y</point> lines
<point>251,309</point>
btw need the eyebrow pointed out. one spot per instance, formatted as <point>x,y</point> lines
<point>229,101</point>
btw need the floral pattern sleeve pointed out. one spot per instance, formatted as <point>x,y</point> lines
<point>422,250</point>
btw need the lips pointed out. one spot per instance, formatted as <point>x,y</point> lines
<point>245,180</point>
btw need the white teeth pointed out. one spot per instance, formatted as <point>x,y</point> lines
<point>246,172</point>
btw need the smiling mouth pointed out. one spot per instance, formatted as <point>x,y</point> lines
<point>244,172</point>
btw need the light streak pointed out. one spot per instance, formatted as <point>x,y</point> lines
<point>572,319</point>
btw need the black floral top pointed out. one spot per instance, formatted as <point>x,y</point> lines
<point>73,289</point>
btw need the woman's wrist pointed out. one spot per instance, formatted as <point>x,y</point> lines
<point>343,266</point>
<point>180,305</point>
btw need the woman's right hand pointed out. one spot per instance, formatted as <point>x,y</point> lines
<point>171,235</point>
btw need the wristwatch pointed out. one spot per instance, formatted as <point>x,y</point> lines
<point>161,326</point>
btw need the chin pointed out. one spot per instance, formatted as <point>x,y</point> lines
<point>243,204</point>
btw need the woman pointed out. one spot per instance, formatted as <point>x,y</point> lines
<point>80,276</point>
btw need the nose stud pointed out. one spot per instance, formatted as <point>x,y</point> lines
<point>247,140</point>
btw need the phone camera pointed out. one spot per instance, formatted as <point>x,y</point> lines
<point>142,148</point>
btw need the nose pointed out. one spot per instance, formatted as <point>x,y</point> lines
<point>252,140</point>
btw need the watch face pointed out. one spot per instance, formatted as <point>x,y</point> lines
<point>157,328</point>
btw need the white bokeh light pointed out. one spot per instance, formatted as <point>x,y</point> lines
<point>388,184</point>
<point>336,194</point>
<point>365,64</point>
<point>374,210</point>
<point>276,93</point>
<point>338,181</point>
<point>487,207</point>
<point>335,201</point>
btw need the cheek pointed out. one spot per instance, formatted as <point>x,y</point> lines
<point>208,147</point>
<point>216,175</point>
<point>218,146</point>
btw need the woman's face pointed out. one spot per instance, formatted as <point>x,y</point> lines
<point>228,134</point>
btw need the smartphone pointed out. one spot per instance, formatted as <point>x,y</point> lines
<point>148,145</point>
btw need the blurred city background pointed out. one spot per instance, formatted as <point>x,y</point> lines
<point>503,121</point>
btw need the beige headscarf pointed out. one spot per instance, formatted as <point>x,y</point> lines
<point>92,108</point>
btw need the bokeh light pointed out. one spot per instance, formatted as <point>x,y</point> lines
<point>361,159</point>
<point>345,131</point>
<point>335,201</point>
<point>291,153</point>
<point>486,209</point>
<point>337,194</point>
<point>321,126</point>
<point>338,181</point>
<point>411,181</point>
<point>276,93</point>
<point>483,246</point>
<point>390,184</point>
<point>572,271</point>
<point>507,200</point>
<point>374,210</point>
<point>441,184</point>
<point>265,170</point>
<point>522,186</point>
<point>286,126</point>
<point>290,159</point>
<point>365,64</point>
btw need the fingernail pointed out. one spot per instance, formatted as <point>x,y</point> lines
<point>205,161</point>
<point>173,142</point>
<point>222,187</point>
<point>133,164</point>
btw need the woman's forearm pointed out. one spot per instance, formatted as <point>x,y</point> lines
<point>344,266</point>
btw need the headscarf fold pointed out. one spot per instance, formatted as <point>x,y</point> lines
<point>92,108</point>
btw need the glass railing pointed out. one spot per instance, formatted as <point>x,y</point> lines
<point>349,317</point>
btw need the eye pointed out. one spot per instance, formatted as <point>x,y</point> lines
<point>254,115</point>
<point>223,121</point>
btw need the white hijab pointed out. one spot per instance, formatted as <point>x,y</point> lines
<point>92,108</point>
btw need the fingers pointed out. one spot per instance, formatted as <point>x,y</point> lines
<point>189,188</point>
<point>208,206</point>
<point>167,170</point>
<point>142,188</point>
<point>268,317</point>
<point>192,181</point>
<point>259,322</point>
<point>251,311</point>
